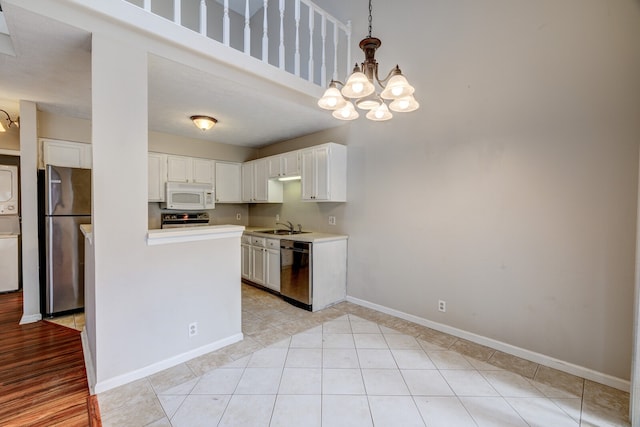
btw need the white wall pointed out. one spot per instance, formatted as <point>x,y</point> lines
<point>511,193</point>
<point>145,297</point>
<point>29,213</point>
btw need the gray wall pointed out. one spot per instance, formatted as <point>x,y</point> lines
<point>511,194</point>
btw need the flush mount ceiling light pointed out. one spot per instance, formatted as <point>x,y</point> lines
<point>203,122</point>
<point>15,122</point>
<point>360,86</point>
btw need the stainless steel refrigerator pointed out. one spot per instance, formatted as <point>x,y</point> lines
<point>67,204</point>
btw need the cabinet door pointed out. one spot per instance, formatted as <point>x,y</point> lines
<point>228,182</point>
<point>274,165</point>
<point>322,173</point>
<point>247,182</point>
<point>157,176</point>
<point>178,168</point>
<point>203,171</point>
<point>291,163</point>
<point>246,261</point>
<point>272,279</point>
<point>66,153</point>
<point>261,180</point>
<point>308,175</point>
<point>258,264</point>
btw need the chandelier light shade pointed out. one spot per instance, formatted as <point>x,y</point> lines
<point>397,87</point>
<point>332,98</point>
<point>10,122</point>
<point>358,85</point>
<point>405,104</point>
<point>380,113</point>
<point>360,88</point>
<point>203,122</point>
<point>347,112</point>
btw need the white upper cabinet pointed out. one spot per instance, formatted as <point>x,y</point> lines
<point>190,169</point>
<point>274,166</point>
<point>290,164</point>
<point>157,176</point>
<point>178,168</point>
<point>324,173</point>
<point>204,171</point>
<point>228,182</point>
<point>66,153</point>
<point>284,165</point>
<point>256,185</point>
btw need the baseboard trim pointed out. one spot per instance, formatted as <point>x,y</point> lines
<point>532,356</point>
<point>30,318</point>
<point>88,361</point>
<point>108,384</point>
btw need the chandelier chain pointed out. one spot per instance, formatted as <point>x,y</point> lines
<point>370,18</point>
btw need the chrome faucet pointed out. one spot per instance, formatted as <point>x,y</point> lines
<point>289,225</point>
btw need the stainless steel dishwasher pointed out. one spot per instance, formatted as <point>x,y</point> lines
<point>296,283</point>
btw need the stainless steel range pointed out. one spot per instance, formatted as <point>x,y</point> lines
<point>186,219</point>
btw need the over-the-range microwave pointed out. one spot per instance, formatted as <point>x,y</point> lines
<point>189,196</point>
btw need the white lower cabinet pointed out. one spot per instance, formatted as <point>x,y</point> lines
<point>261,261</point>
<point>272,261</point>
<point>246,257</point>
<point>258,269</point>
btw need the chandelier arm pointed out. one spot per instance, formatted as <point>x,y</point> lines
<point>393,72</point>
<point>11,122</point>
<point>382,82</point>
<point>336,81</point>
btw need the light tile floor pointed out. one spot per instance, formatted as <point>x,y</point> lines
<point>73,321</point>
<point>351,366</point>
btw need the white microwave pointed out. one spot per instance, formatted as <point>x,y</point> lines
<point>189,196</point>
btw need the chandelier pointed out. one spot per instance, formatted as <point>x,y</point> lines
<point>10,122</point>
<point>360,87</point>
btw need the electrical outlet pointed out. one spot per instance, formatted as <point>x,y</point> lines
<point>277,217</point>
<point>193,329</point>
<point>332,220</point>
<point>238,216</point>
<point>442,306</point>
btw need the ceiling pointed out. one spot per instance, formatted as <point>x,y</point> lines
<point>52,67</point>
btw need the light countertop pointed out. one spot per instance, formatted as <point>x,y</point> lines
<point>312,237</point>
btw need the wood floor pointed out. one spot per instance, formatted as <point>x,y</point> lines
<point>43,381</point>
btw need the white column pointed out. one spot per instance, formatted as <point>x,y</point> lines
<point>335,50</point>
<point>247,29</point>
<point>177,11</point>
<point>119,178</point>
<point>296,67</point>
<point>226,24</point>
<point>265,34</point>
<point>311,23</point>
<point>147,5</point>
<point>349,65</point>
<point>203,17</point>
<point>29,212</point>
<point>323,67</point>
<point>281,48</point>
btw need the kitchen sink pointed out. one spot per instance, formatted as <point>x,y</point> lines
<point>281,232</point>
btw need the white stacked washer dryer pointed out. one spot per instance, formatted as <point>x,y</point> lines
<point>9,228</point>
